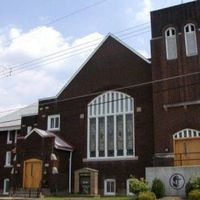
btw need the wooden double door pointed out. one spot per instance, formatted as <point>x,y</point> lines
<point>187,151</point>
<point>32,173</point>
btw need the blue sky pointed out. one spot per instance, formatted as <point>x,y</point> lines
<point>25,35</point>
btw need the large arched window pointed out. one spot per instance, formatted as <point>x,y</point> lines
<point>110,126</point>
<point>190,40</point>
<point>171,45</point>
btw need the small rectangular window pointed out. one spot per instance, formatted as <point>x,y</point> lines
<point>109,187</point>
<point>6,186</point>
<point>53,122</point>
<point>128,189</point>
<point>8,159</point>
<point>9,139</point>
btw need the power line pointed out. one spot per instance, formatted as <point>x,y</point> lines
<point>125,87</point>
<point>25,68</point>
<point>143,84</point>
<point>80,45</point>
<point>63,17</point>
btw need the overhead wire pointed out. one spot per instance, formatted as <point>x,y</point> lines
<point>54,100</point>
<point>68,51</point>
<point>76,46</point>
<point>61,18</point>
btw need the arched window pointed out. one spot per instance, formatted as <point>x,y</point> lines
<point>170,41</point>
<point>110,126</point>
<point>186,133</point>
<point>190,40</point>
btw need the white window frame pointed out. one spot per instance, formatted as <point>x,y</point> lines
<point>195,39</point>
<point>4,186</point>
<point>167,37</point>
<point>106,181</point>
<point>8,159</point>
<point>128,193</point>
<point>49,122</point>
<point>9,140</point>
<point>91,115</point>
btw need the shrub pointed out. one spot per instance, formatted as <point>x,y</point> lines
<point>192,184</point>
<point>194,195</point>
<point>137,186</point>
<point>158,188</point>
<point>146,196</point>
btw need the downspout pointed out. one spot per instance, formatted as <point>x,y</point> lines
<point>70,172</point>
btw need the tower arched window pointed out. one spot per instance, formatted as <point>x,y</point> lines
<point>110,126</point>
<point>190,39</point>
<point>171,44</point>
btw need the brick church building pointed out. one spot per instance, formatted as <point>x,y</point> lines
<point>119,113</point>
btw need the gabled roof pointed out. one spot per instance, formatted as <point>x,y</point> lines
<point>12,121</point>
<point>92,54</point>
<point>58,142</point>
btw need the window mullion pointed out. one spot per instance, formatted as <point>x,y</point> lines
<point>97,137</point>
<point>106,145</point>
<point>115,136</point>
<point>88,136</point>
<point>124,134</point>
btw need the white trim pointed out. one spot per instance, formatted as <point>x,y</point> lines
<point>118,158</point>
<point>106,181</point>
<point>70,173</point>
<point>115,104</point>
<point>128,193</point>
<point>167,38</point>
<point>49,122</point>
<point>28,129</point>
<point>4,186</point>
<point>9,140</point>
<point>30,114</point>
<point>186,133</point>
<point>10,128</point>
<point>189,25</point>
<point>90,56</point>
<point>8,159</point>
<point>15,141</point>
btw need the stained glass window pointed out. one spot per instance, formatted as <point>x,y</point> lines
<point>110,135</point>
<point>110,120</point>
<point>92,137</point>
<point>101,136</point>
<point>120,135</point>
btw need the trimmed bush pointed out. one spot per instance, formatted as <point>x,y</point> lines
<point>137,186</point>
<point>192,184</point>
<point>146,196</point>
<point>158,188</point>
<point>194,195</point>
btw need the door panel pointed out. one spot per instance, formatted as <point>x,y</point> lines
<point>187,151</point>
<point>32,173</point>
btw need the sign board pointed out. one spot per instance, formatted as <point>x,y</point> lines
<point>174,178</point>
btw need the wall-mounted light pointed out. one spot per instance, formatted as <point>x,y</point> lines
<point>54,170</point>
<point>46,164</point>
<point>53,156</point>
<point>12,171</point>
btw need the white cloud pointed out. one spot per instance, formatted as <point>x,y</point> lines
<point>139,13</point>
<point>47,79</point>
<point>144,14</point>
